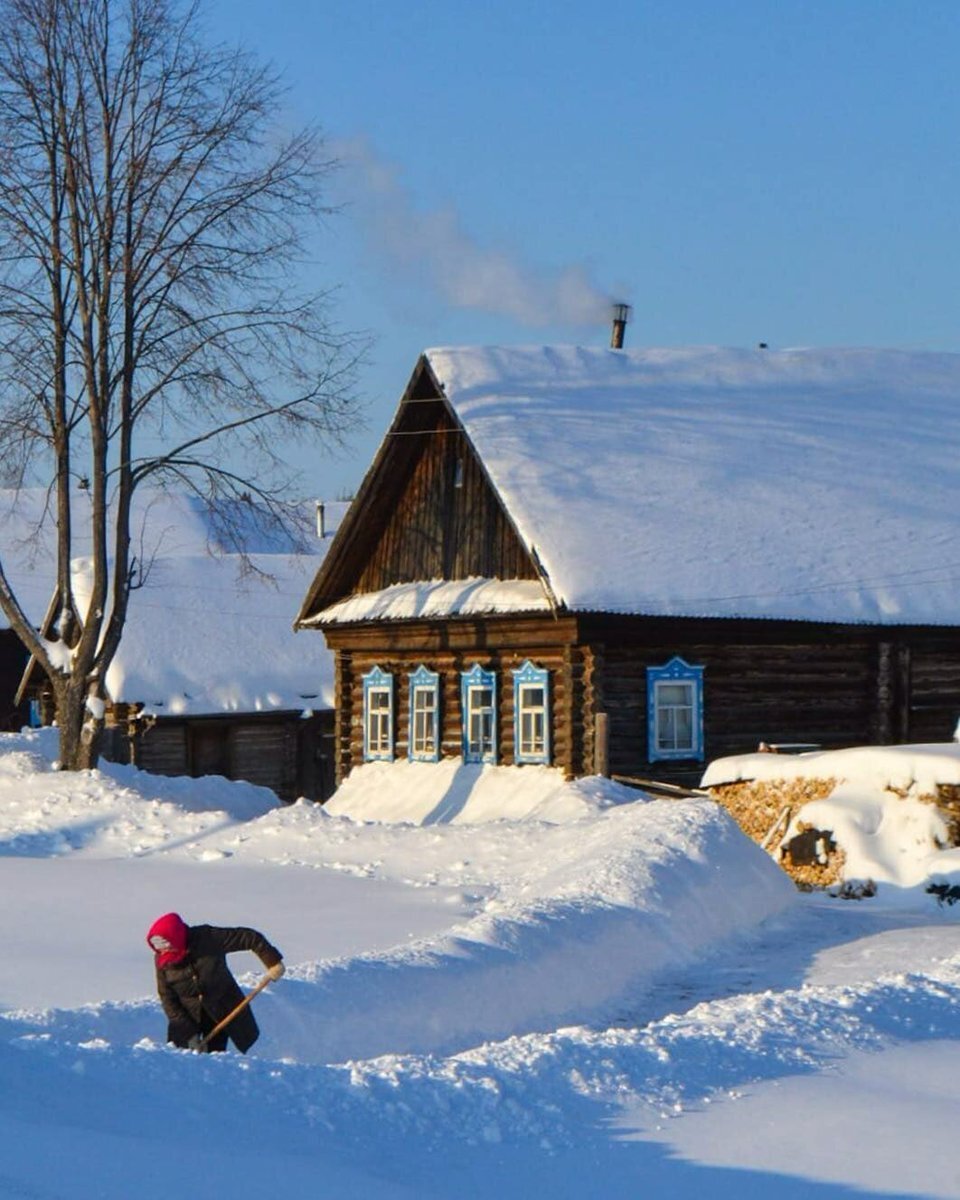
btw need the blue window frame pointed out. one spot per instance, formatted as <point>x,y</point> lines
<point>424,743</point>
<point>377,716</point>
<point>531,714</point>
<point>478,703</point>
<point>674,711</point>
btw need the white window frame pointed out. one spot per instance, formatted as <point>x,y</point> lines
<point>526,748</point>
<point>473,684</point>
<point>424,686</point>
<point>378,723</point>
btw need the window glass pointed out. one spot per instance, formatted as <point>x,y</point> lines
<point>378,708</point>
<point>675,716</point>
<point>480,740</point>
<point>424,734</point>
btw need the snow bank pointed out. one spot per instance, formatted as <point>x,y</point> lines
<point>452,792</point>
<point>116,810</point>
<point>604,907</point>
<point>563,912</point>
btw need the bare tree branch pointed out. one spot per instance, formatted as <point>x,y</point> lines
<point>151,220</point>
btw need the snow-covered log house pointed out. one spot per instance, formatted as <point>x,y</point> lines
<point>209,678</point>
<point>633,561</point>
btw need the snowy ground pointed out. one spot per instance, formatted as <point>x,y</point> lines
<point>584,993</point>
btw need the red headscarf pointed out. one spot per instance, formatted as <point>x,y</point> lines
<point>167,938</point>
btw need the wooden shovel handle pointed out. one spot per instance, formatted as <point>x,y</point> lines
<point>239,1009</point>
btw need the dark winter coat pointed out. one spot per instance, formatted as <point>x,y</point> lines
<point>199,991</point>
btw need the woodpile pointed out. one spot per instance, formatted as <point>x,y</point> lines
<point>755,804</point>
<point>947,800</point>
<point>764,808</point>
<point>820,873</point>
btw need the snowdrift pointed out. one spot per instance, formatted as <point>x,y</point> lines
<point>553,920</point>
<point>594,920</point>
<point>471,1005</point>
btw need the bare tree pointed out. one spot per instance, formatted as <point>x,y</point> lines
<point>150,220</point>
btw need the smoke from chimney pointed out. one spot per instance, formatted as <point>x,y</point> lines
<point>432,247</point>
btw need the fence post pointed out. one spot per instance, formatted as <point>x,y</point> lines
<point>602,746</point>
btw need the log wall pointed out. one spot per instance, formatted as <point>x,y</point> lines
<point>450,665</point>
<point>450,650</point>
<point>162,749</point>
<point>818,693</point>
<point>769,681</point>
<point>287,753</point>
<point>265,753</point>
<point>934,691</point>
<point>13,661</point>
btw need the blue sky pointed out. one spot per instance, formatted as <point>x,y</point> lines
<point>738,171</point>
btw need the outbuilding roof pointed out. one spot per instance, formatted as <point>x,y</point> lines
<point>208,631</point>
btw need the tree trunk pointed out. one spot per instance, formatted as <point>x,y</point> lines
<point>81,731</point>
<point>150,223</point>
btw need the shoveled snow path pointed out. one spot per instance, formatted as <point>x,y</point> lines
<point>827,992</point>
<point>820,941</point>
<point>825,982</point>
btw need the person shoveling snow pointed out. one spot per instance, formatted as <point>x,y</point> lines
<point>202,1000</point>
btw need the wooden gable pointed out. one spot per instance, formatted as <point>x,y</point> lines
<point>426,510</point>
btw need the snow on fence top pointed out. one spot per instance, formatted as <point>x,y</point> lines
<point>804,484</point>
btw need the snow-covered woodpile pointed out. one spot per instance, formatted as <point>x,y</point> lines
<point>764,810</point>
<point>830,817</point>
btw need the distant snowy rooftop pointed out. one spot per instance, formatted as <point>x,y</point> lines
<point>208,632</point>
<point>819,485</point>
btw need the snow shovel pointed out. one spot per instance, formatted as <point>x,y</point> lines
<point>230,1015</point>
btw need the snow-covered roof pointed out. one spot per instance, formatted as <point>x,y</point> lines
<point>462,597</point>
<point>207,632</point>
<point>808,484</point>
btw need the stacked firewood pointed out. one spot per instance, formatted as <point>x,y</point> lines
<point>947,800</point>
<point>755,804</point>
<point>826,870</point>
<point>764,808</point>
